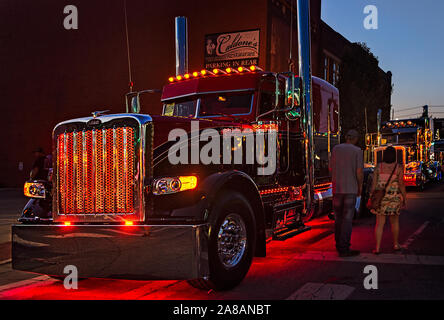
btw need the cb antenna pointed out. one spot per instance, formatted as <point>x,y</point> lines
<point>131,83</point>
<point>290,59</point>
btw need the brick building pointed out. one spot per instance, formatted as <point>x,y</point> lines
<point>50,74</point>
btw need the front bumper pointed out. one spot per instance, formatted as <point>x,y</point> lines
<point>411,183</point>
<point>143,252</point>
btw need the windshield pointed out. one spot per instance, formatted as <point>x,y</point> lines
<point>401,138</point>
<point>407,138</point>
<point>225,104</point>
<point>180,108</point>
<point>210,105</point>
<point>389,139</point>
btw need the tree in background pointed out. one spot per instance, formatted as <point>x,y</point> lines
<point>362,84</point>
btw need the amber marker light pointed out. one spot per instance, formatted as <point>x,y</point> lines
<point>215,71</point>
<point>195,74</point>
<point>203,72</point>
<point>179,78</point>
<point>67,223</point>
<point>188,183</point>
<point>186,76</point>
<point>253,68</point>
<point>228,70</point>
<point>241,69</point>
<point>129,223</point>
<point>171,79</point>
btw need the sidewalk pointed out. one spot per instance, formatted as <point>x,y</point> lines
<point>12,202</point>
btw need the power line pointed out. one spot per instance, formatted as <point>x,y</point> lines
<point>412,115</point>
<point>406,109</point>
<point>419,107</point>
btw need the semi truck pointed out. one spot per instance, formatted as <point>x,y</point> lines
<point>238,157</point>
<point>413,139</point>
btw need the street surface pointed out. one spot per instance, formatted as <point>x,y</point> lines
<point>303,267</point>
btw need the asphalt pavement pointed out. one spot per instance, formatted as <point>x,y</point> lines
<point>303,267</point>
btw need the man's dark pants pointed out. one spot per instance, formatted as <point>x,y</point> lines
<point>344,208</point>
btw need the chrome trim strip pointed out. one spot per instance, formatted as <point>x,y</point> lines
<point>142,177</point>
<point>198,103</point>
<point>125,167</point>
<point>75,164</point>
<point>104,167</point>
<point>56,175</point>
<point>84,171</point>
<point>114,170</point>
<point>94,168</point>
<point>65,152</point>
<point>142,119</point>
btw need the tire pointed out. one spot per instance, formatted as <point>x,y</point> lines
<point>233,217</point>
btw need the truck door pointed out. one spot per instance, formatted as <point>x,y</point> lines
<point>290,140</point>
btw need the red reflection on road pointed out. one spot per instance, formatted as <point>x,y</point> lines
<point>263,270</point>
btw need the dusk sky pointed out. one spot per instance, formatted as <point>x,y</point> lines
<point>409,42</point>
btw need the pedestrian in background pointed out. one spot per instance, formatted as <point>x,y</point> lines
<point>38,171</point>
<point>347,170</point>
<point>389,177</point>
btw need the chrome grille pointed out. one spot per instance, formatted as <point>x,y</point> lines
<point>96,171</point>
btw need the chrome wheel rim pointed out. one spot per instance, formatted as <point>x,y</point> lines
<point>231,240</point>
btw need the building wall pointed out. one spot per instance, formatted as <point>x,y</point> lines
<point>51,74</point>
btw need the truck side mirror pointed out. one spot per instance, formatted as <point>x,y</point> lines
<point>135,104</point>
<point>132,99</point>
<point>293,97</point>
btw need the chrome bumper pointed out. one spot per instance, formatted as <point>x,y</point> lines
<point>157,252</point>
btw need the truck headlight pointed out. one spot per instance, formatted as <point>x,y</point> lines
<point>174,184</point>
<point>34,190</point>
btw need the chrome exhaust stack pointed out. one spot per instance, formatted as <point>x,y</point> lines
<point>181,45</point>
<point>304,45</point>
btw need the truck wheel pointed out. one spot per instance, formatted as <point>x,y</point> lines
<point>231,242</point>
